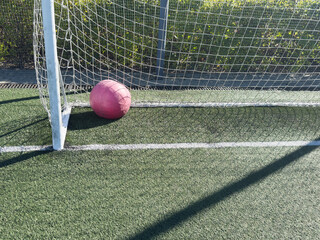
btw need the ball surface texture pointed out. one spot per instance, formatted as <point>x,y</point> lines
<point>110,99</point>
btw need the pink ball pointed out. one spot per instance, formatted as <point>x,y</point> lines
<point>110,99</point>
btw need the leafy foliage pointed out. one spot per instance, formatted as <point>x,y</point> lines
<point>16,32</point>
<point>207,35</point>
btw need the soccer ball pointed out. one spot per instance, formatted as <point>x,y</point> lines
<point>110,99</point>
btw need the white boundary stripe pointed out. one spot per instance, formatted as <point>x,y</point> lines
<point>164,146</point>
<point>211,104</point>
<point>25,149</point>
<point>193,145</point>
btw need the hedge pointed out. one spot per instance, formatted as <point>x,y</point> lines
<point>16,31</point>
<point>287,39</point>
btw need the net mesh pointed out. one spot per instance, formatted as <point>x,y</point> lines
<point>215,51</point>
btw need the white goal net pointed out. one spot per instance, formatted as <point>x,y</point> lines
<point>186,52</point>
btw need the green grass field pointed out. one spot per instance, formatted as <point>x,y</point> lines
<point>226,193</point>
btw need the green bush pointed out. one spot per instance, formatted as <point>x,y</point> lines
<point>212,35</point>
<point>16,31</point>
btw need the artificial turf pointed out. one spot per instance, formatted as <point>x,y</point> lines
<point>24,122</point>
<point>227,193</point>
<point>179,125</point>
<point>243,193</point>
<point>23,119</point>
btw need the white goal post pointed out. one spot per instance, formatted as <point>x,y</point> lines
<point>177,53</point>
<point>53,74</point>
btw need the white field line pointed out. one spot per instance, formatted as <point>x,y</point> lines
<point>25,149</point>
<point>164,146</point>
<point>210,104</point>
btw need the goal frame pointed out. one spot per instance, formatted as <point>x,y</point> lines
<point>59,119</point>
<point>59,109</point>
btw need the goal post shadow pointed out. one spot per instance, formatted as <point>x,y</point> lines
<point>173,220</point>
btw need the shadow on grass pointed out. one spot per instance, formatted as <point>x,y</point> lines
<point>21,158</point>
<point>86,120</point>
<point>35,130</point>
<point>177,218</point>
<point>23,127</point>
<point>34,97</point>
<point>18,100</point>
